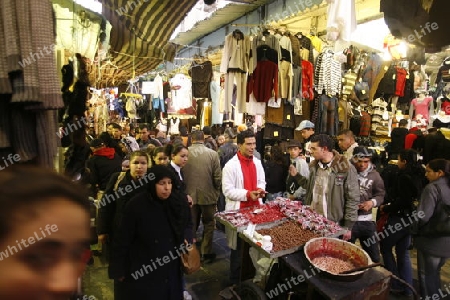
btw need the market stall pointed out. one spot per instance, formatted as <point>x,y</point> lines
<point>281,229</point>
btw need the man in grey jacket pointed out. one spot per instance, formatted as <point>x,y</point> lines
<point>202,175</point>
<point>332,188</point>
<point>372,193</point>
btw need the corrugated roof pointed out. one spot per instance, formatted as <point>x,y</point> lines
<point>218,19</point>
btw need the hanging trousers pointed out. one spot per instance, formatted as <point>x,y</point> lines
<point>241,91</point>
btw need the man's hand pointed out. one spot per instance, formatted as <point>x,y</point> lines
<point>254,194</point>
<point>190,201</point>
<point>103,238</point>
<point>347,235</point>
<point>366,205</point>
<point>292,170</point>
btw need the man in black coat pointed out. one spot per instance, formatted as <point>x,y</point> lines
<point>101,165</point>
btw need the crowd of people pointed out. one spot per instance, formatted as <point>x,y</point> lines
<point>152,193</point>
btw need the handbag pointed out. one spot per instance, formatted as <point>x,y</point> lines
<point>381,222</point>
<point>190,259</point>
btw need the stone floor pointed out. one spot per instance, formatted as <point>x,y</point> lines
<point>205,284</point>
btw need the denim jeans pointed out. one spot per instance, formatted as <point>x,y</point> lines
<point>429,269</point>
<point>400,240</point>
<point>365,231</point>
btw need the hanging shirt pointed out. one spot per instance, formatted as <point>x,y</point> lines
<point>264,81</point>
<point>181,92</point>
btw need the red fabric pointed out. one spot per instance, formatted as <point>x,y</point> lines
<point>249,172</point>
<point>107,152</point>
<point>307,80</point>
<point>365,122</point>
<point>409,140</point>
<point>263,81</point>
<point>401,81</point>
<point>445,106</point>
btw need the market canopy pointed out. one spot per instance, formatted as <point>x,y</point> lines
<point>141,30</point>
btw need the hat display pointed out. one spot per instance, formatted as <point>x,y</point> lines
<point>96,143</point>
<point>294,143</point>
<point>305,124</point>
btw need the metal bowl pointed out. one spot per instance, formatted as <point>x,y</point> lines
<point>332,247</point>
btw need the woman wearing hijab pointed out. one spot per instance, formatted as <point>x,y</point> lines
<point>155,228</point>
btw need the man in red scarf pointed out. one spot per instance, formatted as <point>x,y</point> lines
<point>243,184</point>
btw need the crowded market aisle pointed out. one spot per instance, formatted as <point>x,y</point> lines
<point>210,280</point>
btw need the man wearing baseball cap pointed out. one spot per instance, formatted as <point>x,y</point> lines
<point>306,129</point>
<point>371,195</point>
<point>295,191</point>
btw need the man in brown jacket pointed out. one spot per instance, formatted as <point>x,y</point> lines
<point>202,175</point>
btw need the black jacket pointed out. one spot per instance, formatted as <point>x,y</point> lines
<point>147,238</point>
<point>112,204</point>
<point>102,167</point>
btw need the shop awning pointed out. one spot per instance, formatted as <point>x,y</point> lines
<point>141,29</point>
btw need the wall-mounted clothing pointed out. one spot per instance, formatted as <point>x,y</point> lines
<point>235,63</point>
<point>328,120</point>
<point>328,72</point>
<point>268,40</point>
<point>307,80</point>
<point>263,83</point>
<point>444,71</point>
<point>181,87</point>
<point>201,75</point>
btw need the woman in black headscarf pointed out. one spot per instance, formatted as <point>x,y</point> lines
<point>151,238</point>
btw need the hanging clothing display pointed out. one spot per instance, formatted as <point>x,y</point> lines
<point>328,121</point>
<point>181,92</point>
<point>341,19</point>
<point>421,106</point>
<point>307,80</point>
<point>28,27</point>
<point>201,74</point>
<point>215,90</point>
<point>174,126</point>
<point>264,45</point>
<point>235,64</point>
<point>264,81</point>
<point>328,74</point>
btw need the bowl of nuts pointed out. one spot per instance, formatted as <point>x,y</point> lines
<point>335,258</point>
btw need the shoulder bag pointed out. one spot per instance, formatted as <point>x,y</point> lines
<point>190,259</point>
